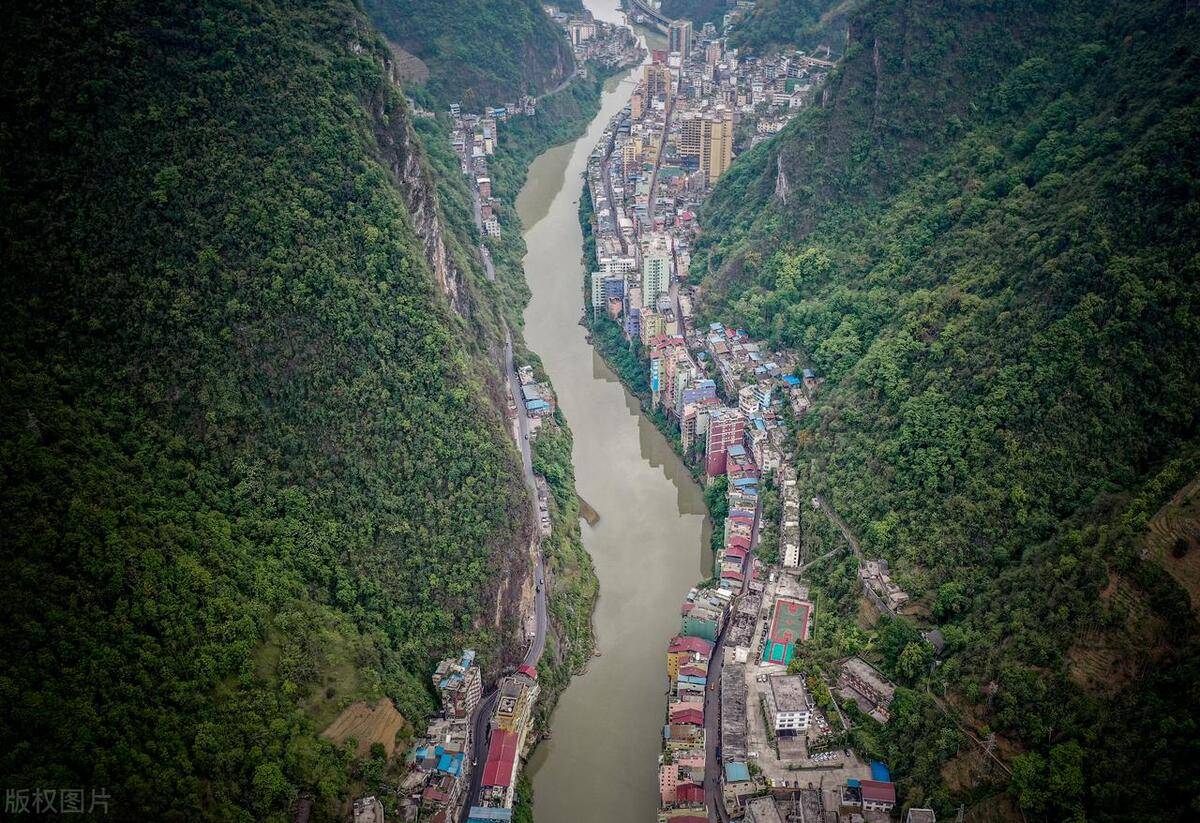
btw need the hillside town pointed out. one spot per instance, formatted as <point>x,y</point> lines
<point>466,766</point>
<point>746,734</point>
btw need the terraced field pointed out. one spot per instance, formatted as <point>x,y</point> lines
<point>367,724</point>
<point>1173,538</point>
<point>1110,657</point>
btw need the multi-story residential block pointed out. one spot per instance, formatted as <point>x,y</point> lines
<point>693,390</point>
<point>679,37</point>
<point>725,429</point>
<point>633,320</point>
<point>597,291</point>
<point>459,683</point>
<point>747,401</point>
<point>581,31</point>
<point>712,54</point>
<point>617,265</point>
<point>684,649</point>
<point>693,420</point>
<point>510,726</point>
<point>656,79</point>
<point>791,555</point>
<point>656,271</point>
<point>708,138</point>
<point>653,325</point>
<point>787,704</point>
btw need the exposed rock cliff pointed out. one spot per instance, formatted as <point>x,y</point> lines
<point>404,157</point>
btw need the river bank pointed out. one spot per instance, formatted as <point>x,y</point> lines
<point>650,541</point>
<point>478,193</point>
<point>571,585</point>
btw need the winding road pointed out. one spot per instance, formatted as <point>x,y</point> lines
<point>534,653</point>
<point>483,712</point>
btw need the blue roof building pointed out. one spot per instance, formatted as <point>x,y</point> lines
<point>736,772</point>
<point>451,764</point>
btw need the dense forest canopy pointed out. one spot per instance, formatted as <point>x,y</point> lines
<point>698,11</point>
<point>986,239</point>
<point>249,471</point>
<point>803,24</point>
<point>479,52</point>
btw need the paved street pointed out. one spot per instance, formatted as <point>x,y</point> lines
<point>538,645</point>
<point>712,701</point>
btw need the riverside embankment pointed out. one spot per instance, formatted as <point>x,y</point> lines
<point>648,546</point>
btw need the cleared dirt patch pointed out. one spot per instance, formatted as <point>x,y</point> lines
<point>367,724</point>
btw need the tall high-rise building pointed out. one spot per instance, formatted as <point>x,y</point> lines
<point>597,291</point>
<point>725,428</point>
<point>709,138</point>
<point>712,53</point>
<point>679,37</point>
<point>657,79</point>
<point>656,269</point>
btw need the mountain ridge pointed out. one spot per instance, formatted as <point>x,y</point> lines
<point>984,238</point>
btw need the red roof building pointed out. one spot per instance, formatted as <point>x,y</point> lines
<point>694,717</point>
<point>735,552</point>
<point>878,795</point>
<point>501,759</point>
<point>738,541</point>
<point>528,671</point>
<point>696,645</point>
<point>689,793</point>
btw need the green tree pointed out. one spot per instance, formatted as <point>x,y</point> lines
<point>914,661</point>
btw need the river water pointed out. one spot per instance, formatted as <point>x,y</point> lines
<point>650,544</point>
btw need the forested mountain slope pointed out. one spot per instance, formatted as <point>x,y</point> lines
<point>801,24</point>
<point>698,11</point>
<point>479,52</point>
<point>986,238</point>
<point>249,471</point>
